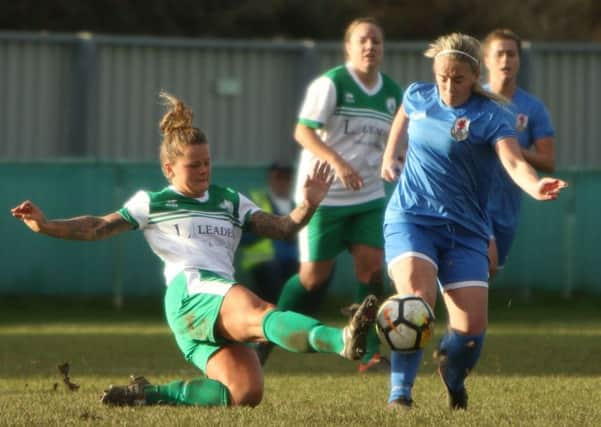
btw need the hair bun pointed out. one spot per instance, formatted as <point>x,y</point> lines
<point>178,115</point>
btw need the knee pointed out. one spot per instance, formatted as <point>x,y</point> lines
<point>256,317</point>
<point>245,395</point>
<point>314,279</point>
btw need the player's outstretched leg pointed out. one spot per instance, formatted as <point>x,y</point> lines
<point>372,361</point>
<point>299,333</point>
<point>356,333</point>
<point>139,391</point>
<point>293,297</point>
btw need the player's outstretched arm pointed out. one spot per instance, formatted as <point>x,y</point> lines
<point>80,228</point>
<point>315,189</point>
<point>524,175</point>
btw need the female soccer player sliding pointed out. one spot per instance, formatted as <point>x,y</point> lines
<point>195,228</point>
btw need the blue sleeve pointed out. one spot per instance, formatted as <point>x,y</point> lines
<point>540,122</point>
<point>409,98</point>
<point>501,125</point>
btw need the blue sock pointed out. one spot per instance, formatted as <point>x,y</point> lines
<point>403,370</point>
<point>462,352</point>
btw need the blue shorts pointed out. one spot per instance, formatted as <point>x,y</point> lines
<point>460,256</point>
<point>503,239</point>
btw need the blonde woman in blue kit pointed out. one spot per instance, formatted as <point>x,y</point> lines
<point>436,225</point>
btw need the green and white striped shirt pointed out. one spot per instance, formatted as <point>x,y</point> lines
<point>354,121</point>
<point>188,233</point>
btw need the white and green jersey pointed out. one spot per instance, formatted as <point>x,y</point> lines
<point>354,121</point>
<point>188,233</point>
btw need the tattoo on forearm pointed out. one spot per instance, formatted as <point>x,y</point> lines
<point>271,226</point>
<point>85,228</point>
<point>108,228</point>
<point>280,227</point>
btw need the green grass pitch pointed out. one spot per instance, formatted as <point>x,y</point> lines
<point>541,366</point>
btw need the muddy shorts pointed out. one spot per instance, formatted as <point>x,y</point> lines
<point>192,303</point>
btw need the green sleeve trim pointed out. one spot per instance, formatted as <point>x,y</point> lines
<point>127,217</point>
<point>245,226</point>
<point>310,123</point>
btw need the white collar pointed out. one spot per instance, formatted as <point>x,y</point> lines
<point>204,197</point>
<point>364,88</point>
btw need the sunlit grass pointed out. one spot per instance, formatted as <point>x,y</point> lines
<point>540,366</point>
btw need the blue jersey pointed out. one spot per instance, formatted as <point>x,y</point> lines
<point>447,172</point>
<point>532,122</point>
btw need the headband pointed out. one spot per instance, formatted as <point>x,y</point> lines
<point>458,52</point>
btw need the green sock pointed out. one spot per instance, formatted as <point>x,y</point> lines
<point>325,339</point>
<point>301,334</point>
<point>293,294</point>
<point>372,344</point>
<point>199,392</point>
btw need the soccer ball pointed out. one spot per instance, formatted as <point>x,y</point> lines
<point>405,323</point>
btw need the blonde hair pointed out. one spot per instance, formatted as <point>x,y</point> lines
<point>177,130</point>
<point>464,48</point>
<point>354,24</point>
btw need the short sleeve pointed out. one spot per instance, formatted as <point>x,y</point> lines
<point>412,98</point>
<point>319,103</point>
<point>246,208</point>
<point>136,210</point>
<point>501,124</point>
<point>540,123</point>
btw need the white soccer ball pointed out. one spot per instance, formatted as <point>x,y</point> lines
<point>405,323</point>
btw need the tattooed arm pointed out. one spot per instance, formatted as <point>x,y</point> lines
<point>80,228</point>
<point>281,227</point>
<point>315,189</point>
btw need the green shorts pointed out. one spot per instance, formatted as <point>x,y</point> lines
<point>192,303</point>
<point>333,229</point>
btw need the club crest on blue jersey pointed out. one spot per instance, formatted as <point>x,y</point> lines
<point>391,105</point>
<point>521,122</point>
<point>460,129</point>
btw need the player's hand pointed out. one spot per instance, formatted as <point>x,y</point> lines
<point>549,188</point>
<point>349,177</point>
<point>30,214</point>
<point>391,168</point>
<point>318,182</point>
